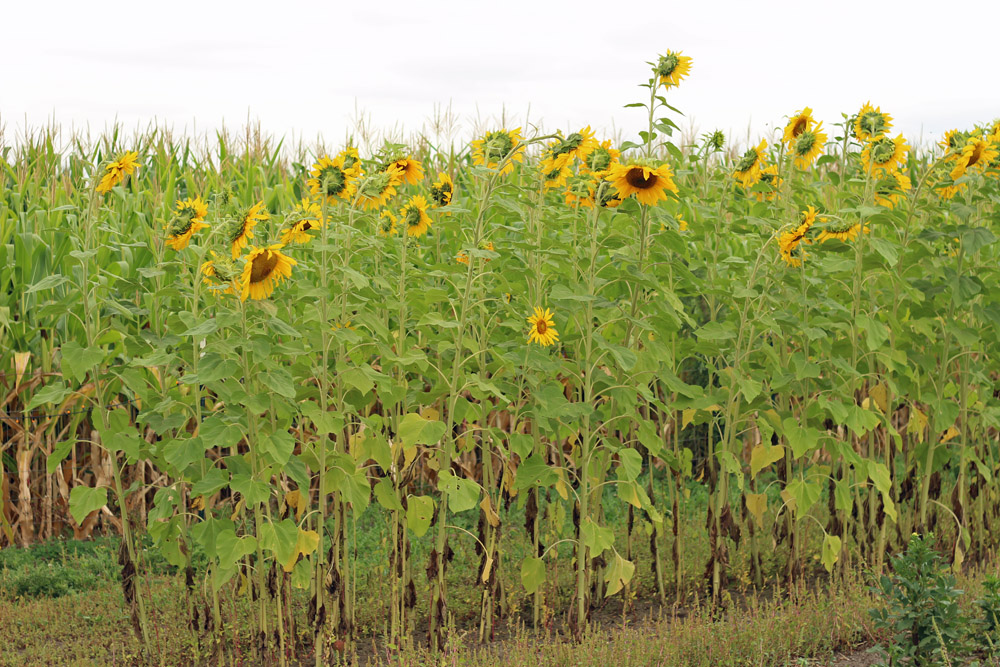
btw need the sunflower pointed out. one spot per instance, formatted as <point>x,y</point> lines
<point>386,223</point>
<point>790,242</point>
<point>600,159</point>
<point>333,179</point>
<point>671,68</point>
<point>801,122</point>
<point>377,189</point>
<point>975,155</point>
<point>307,217</point>
<point>808,146</point>
<point>264,268</point>
<point>647,183</point>
<point>442,190</point>
<point>577,146</point>
<point>543,329</point>
<point>553,175</point>
<point>883,154</point>
<point>871,122</point>
<point>953,142</point>
<point>769,184</point>
<point>580,192</point>
<point>463,258</point>
<point>410,169</point>
<point>187,221</point>
<point>890,191</point>
<point>748,168</point>
<point>949,191</point>
<point>351,160</point>
<point>242,231</point>
<point>116,171</point>
<point>715,141</point>
<point>414,216</point>
<point>844,232</point>
<point>219,271</point>
<point>498,147</point>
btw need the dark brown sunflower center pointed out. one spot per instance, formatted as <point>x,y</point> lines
<point>800,126</point>
<point>262,266</point>
<point>977,155</point>
<point>636,177</point>
<point>541,327</point>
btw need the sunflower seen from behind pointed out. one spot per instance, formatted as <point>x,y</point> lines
<point>414,216</point>
<point>188,219</point>
<point>748,168</point>
<point>498,147</point>
<point>671,68</point>
<point>333,179</point>
<point>220,273</point>
<point>263,269</point>
<point>892,189</point>
<point>808,146</point>
<point>241,230</point>
<point>841,231</point>
<point>871,122</point>
<point>377,189</point>
<point>542,329</point>
<point>386,225</point>
<point>117,170</point>
<point>882,155</point>
<point>790,243</point>
<point>600,159</point>
<point>647,181</point>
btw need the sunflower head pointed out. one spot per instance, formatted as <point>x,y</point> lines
<point>671,68</point>
<point>554,175</point>
<point>241,229</point>
<point>263,269</point>
<point>871,122</point>
<point>841,231</point>
<point>410,169</point>
<point>768,185</point>
<point>748,167</point>
<point>332,179</point>
<point>891,189</point>
<point>219,273</point>
<point>187,220</point>
<point>715,141</point>
<point>797,125</point>
<point>600,159</point>
<point>442,189</point>
<point>883,154</point>
<point>647,181</point>
<point>386,223</point>
<point>350,160</point>
<point>377,189</point>
<point>307,217</point>
<point>497,147</point>
<point>977,153</point>
<point>542,329</point>
<point>414,216</point>
<point>808,146</point>
<point>116,171</point>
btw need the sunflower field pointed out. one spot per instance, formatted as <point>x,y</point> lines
<point>247,356</point>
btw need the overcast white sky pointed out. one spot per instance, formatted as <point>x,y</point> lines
<point>305,68</point>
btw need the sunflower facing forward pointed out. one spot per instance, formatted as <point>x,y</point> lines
<point>308,217</point>
<point>648,183</point>
<point>496,147</point>
<point>748,167</point>
<point>263,269</point>
<point>334,178</point>
<point>442,189</point>
<point>116,171</point>
<point>189,218</point>
<point>242,231</point>
<point>410,169</point>
<point>671,68</point>
<point>801,122</point>
<point>975,155</point>
<point>542,329</point>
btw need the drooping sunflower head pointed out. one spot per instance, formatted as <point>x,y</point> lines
<point>600,159</point>
<point>808,146</point>
<point>220,273</point>
<point>543,329</point>
<point>116,171</point>
<point>871,122</point>
<point>647,181</point>
<point>801,122</point>
<point>377,189</point>
<point>576,146</point>
<point>883,154</point>
<point>410,169</point>
<point>463,257</point>
<point>953,142</point>
<point>414,216</point>
<point>386,223</point>
<point>671,68</point>
<point>554,174</point>
<point>841,230</point>
<point>187,220</point>
<point>442,189</point>
<point>241,229</point>
<point>332,179</point>
<point>498,147</point>
<point>307,217</point>
<point>350,160</point>
<point>580,192</point>
<point>748,167</point>
<point>790,242</point>
<point>976,154</point>
<point>263,269</point>
<point>891,189</point>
